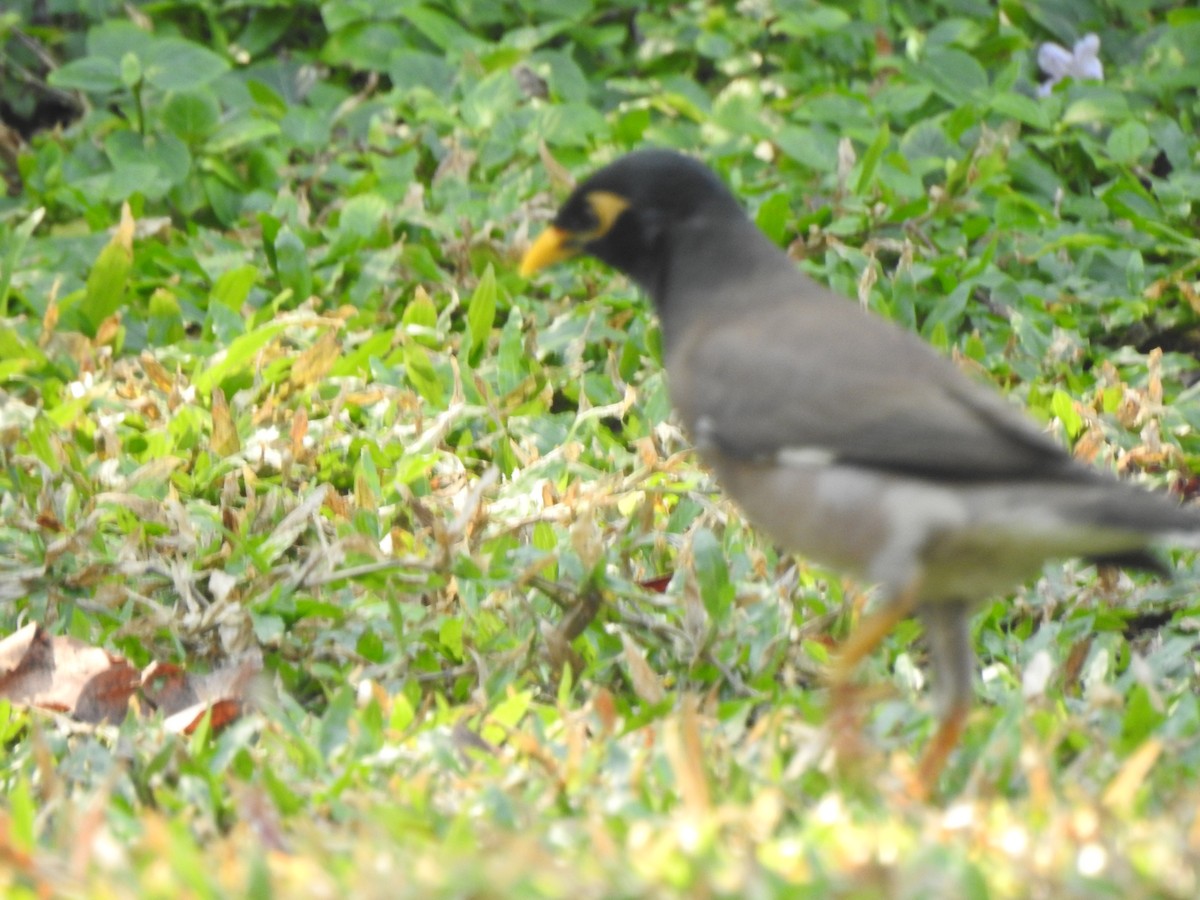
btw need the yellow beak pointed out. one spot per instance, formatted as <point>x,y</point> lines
<point>551,246</point>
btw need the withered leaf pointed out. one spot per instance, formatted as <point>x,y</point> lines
<point>314,363</point>
<point>224,432</point>
<point>184,698</point>
<point>65,675</point>
<point>646,683</point>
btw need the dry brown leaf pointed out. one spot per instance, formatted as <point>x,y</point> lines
<point>298,432</point>
<point>1089,445</point>
<point>65,675</point>
<point>456,164</point>
<point>560,175</point>
<point>108,330</point>
<point>1122,790</point>
<point>367,397</point>
<point>1190,295</point>
<point>883,43</point>
<point>586,539</point>
<point>48,520</point>
<point>1154,388</point>
<point>104,696</point>
<point>338,505</point>
<point>167,687</point>
<point>695,616</point>
<point>647,451</point>
<point>658,584</point>
<point>186,721</point>
<point>184,698</point>
<point>293,525</point>
<point>686,753</point>
<point>364,496</point>
<point>155,371</point>
<point>558,649</point>
<point>142,507</point>
<point>49,321</point>
<point>1074,664</point>
<point>606,710</point>
<point>224,432</point>
<point>16,648</point>
<point>89,576</point>
<point>646,683</point>
<point>314,364</point>
<point>155,472</point>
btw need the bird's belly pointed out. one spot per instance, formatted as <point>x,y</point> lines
<point>954,542</point>
<point>831,515</point>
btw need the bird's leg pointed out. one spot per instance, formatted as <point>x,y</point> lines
<point>865,638</point>
<point>948,634</point>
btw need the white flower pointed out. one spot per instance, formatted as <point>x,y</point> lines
<point>1083,62</point>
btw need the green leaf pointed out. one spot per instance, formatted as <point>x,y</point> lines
<point>108,278</point>
<point>1062,405</point>
<point>956,76</point>
<point>410,69</point>
<point>92,74</point>
<point>291,260</point>
<point>367,45</point>
<point>239,132</point>
<point>1135,274</point>
<point>506,715</point>
<point>512,361</point>
<point>22,816</point>
<point>422,375</point>
<point>232,288</point>
<point>442,30</point>
<point>420,319</point>
<point>13,247</point>
<point>481,315</point>
<point>712,574</point>
<point>1128,142</point>
<point>175,64</point>
<point>116,37</point>
<point>360,219</point>
<point>772,216</point>
<point>1142,717</point>
<point>334,732</point>
<point>149,165</point>
<point>814,147</point>
<point>191,116</point>
<point>240,357</point>
<point>370,647</point>
<point>1024,109</point>
<point>131,70</point>
<point>450,636</point>
<point>1095,103</point>
<point>17,355</point>
<point>870,161</point>
<point>164,319</point>
<point>808,21</point>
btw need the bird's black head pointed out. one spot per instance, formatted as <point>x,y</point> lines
<point>622,212</point>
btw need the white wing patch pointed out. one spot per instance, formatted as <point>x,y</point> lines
<point>706,438</point>
<point>805,456</point>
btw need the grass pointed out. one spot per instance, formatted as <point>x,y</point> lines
<point>276,409</point>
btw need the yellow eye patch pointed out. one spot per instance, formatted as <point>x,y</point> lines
<point>608,207</point>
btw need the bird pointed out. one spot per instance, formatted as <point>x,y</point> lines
<point>843,436</point>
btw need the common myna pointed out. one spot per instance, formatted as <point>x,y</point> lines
<point>843,436</point>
